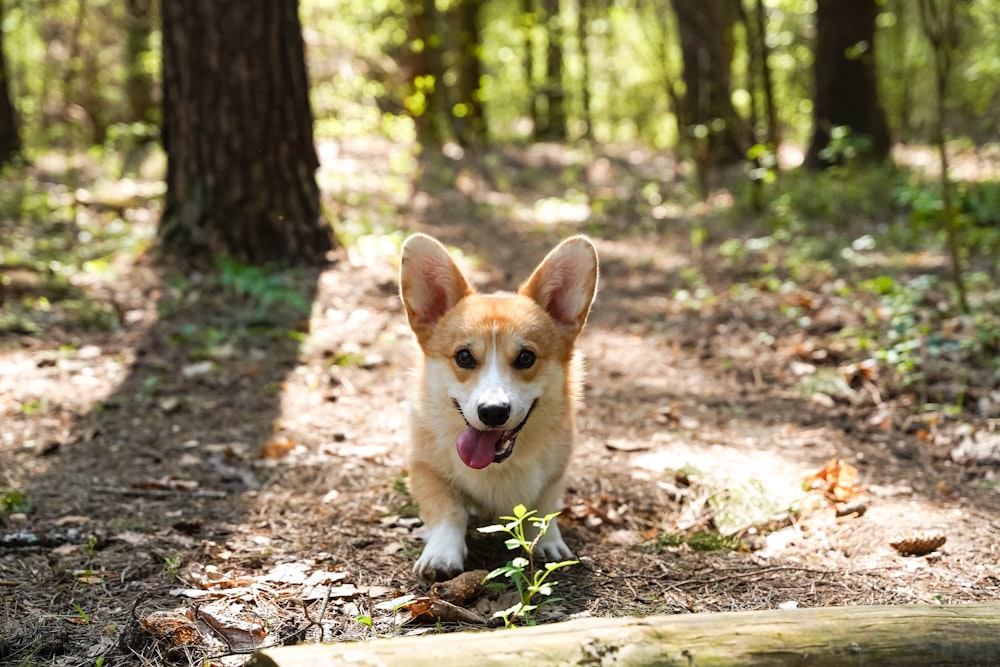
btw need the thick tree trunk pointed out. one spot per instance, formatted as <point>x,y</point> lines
<point>10,138</point>
<point>469,114</point>
<point>552,126</point>
<point>237,129</point>
<point>707,46</point>
<point>874,636</point>
<point>138,79</point>
<point>767,85</point>
<point>582,30</point>
<point>846,88</point>
<point>426,73</point>
<point>528,18</point>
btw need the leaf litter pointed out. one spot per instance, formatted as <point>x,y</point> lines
<point>261,498</point>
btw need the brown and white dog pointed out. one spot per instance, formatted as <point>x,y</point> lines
<point>493,420</point>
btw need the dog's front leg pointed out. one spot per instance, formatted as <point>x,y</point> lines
<point>445,522</point>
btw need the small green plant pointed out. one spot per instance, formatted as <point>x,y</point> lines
<point>14,501</point>
<point>91,546</point>
<point>85,619</point>
<point>529,581</point>
<point>172,566</point>
<point>265,286</point>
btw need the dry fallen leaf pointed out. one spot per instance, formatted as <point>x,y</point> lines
<point>276,448</point>
<point>837,480</point>
<point>172,626</point>
<point>239,636</point>
<point>434,610</point>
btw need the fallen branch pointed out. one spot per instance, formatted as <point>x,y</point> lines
<point>159,493</point>
<point>882,635</point>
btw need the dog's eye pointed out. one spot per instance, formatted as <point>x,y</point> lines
<point>526,359</point>
<point>465,359</point>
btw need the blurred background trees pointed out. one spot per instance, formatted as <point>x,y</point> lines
<point>716,83</point>
<point>88,72</point>
<point>818,132</point>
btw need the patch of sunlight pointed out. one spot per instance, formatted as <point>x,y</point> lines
<point>553,211</point>
<point>376,247</point>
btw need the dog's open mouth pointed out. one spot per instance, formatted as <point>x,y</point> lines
<point>478,449</point>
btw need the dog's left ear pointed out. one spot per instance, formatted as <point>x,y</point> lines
<point>565,282</point>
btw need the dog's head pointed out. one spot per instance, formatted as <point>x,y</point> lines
<point>496,355</point>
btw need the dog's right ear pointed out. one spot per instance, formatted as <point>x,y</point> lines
<point>430,283</point>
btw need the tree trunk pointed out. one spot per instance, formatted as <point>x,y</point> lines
<point>846,91</point>
<point>582,30</point>
<point>138,79</point>
<point>468,113</point>
<point>836,636</point>
<point>237,130</point>
<point>707,46</point>
<point>10,138</point>
<point>426,73</point>
<point>940,25</point>
<point>770,110</point>
<point>529,18</point>
<point>552,126</point>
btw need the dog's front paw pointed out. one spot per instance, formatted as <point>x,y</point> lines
<point>444,555</point>
<point>551,546</point>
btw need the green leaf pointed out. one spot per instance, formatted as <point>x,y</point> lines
<point>492,529</point>
<point>396,603</point>
<point>562,563</point>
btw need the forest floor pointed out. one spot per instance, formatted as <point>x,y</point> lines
<point>196,464</point>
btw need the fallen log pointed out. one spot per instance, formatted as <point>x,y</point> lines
<point>835,636</point>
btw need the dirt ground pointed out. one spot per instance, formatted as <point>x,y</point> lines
<point>210,475</point>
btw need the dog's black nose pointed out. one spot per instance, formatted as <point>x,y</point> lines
<point>494,414</point>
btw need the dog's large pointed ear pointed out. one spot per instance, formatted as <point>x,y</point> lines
<point>565,282</point>
<point>430,283</point>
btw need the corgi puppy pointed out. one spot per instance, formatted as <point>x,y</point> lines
<point>493,419</point>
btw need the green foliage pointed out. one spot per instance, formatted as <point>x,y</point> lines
<point>84,617</point>
<point>69,63</point>
<point>14,501</point>
<point>91,546</point>
<point>529,581</point>
<point>266,287</point>
<point>172,567</point>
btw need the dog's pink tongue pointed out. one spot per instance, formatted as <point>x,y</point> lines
<point>477,448</point>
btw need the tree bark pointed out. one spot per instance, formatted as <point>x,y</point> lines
<point>874,636</point>
<point>138,80</point>
<point>707,47</point>
<point>767,85</point>
<point>426,73</point>
<point>237,130</point>
<point>940,26</point>
<point>582,31</point>
<point>846,87</point>
<point>552,126</point>
<point>468,113</point>
<point>10,137</point>
<point>529,17</point>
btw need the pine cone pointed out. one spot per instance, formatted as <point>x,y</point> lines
<point>466,587</point>
<point>918,544</point>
